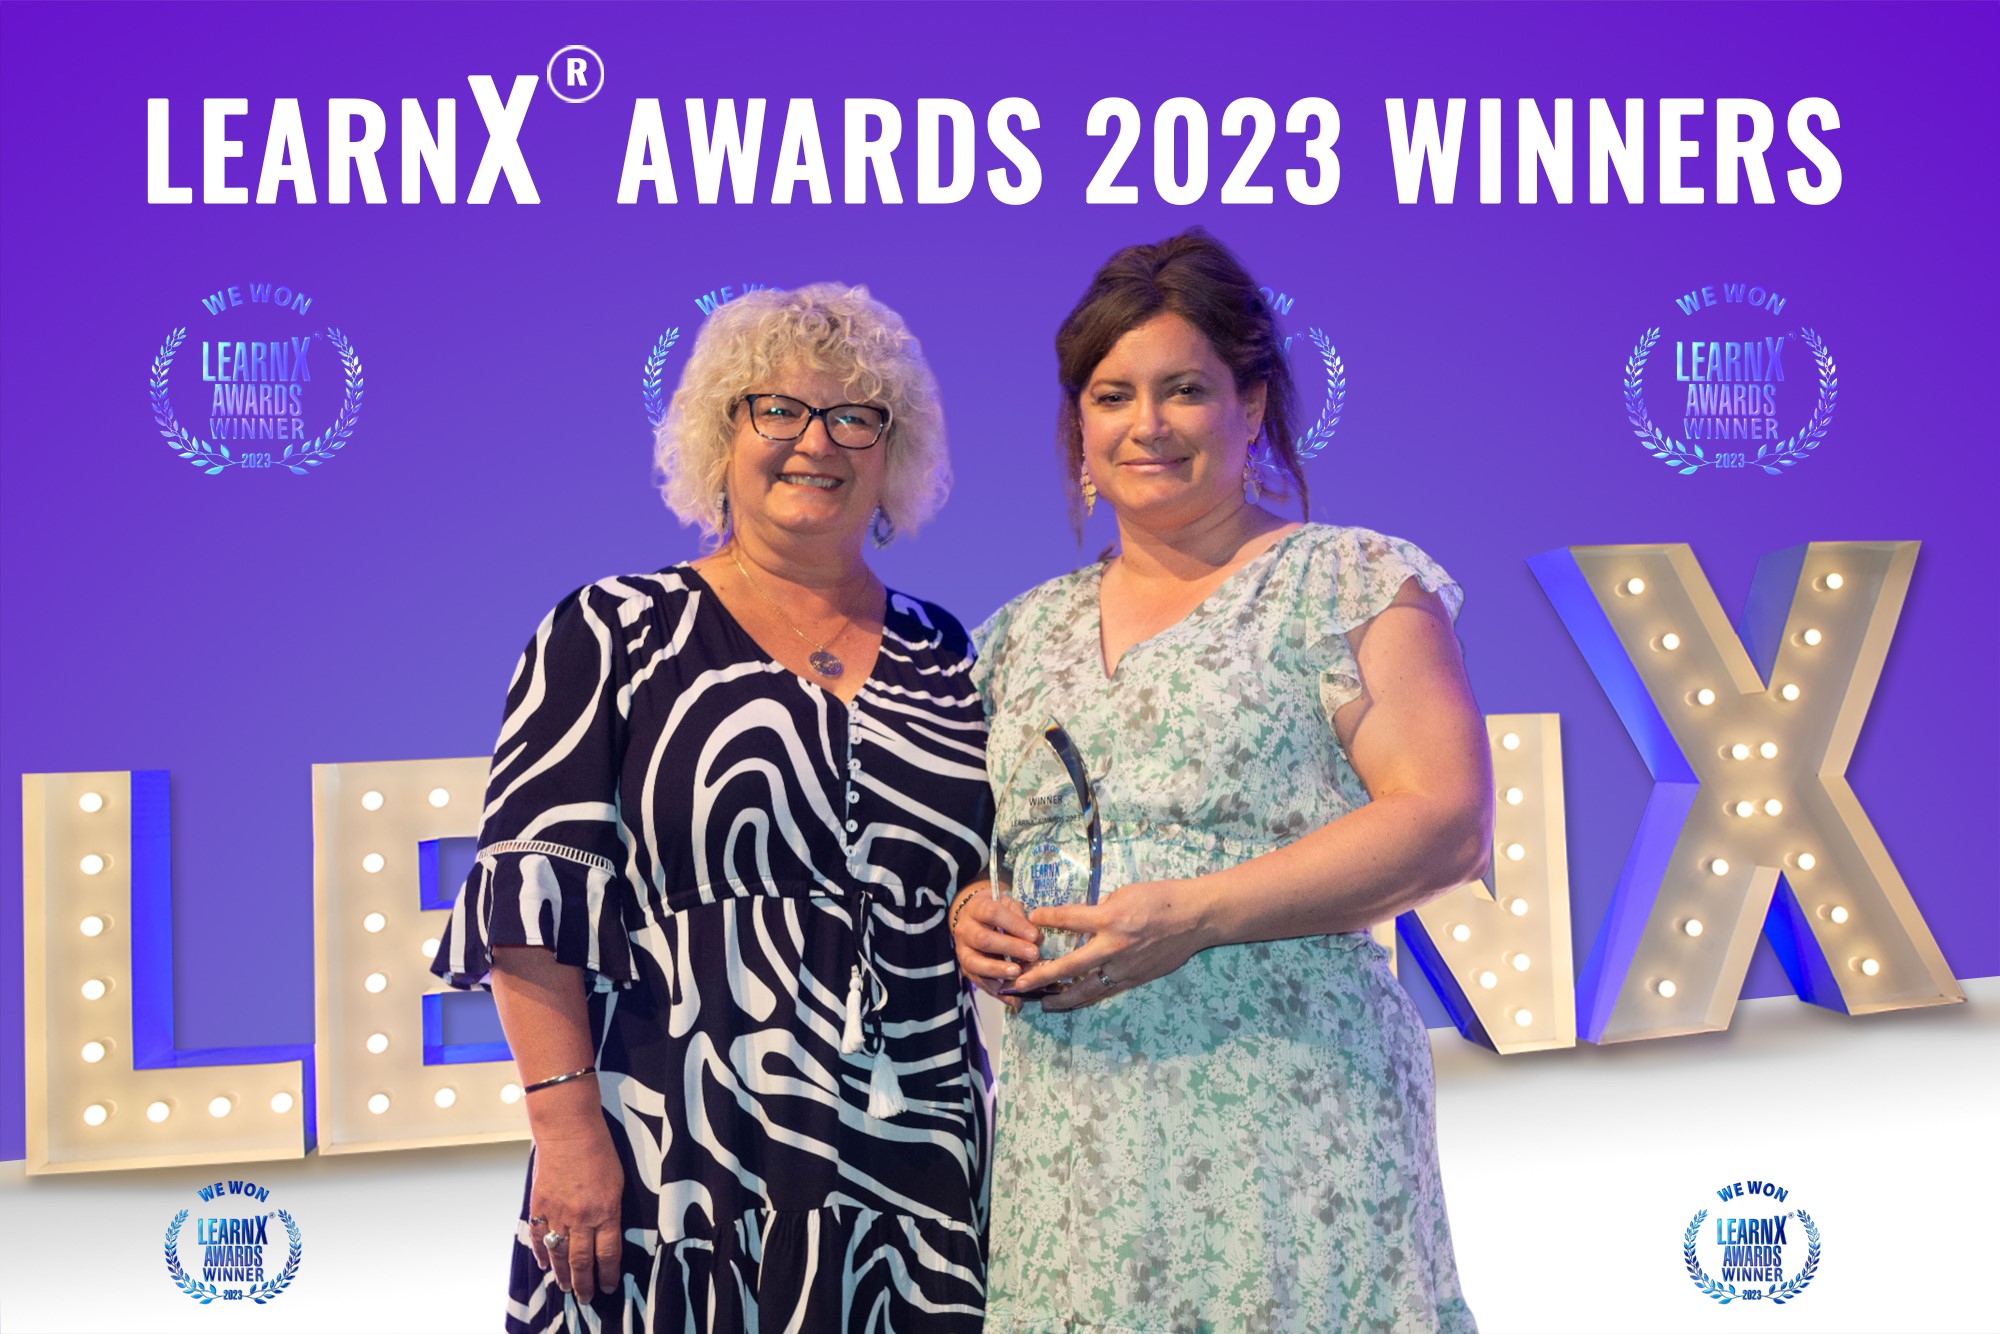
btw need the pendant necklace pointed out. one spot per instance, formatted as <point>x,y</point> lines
<point>822,660</point>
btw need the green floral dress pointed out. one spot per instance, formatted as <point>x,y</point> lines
<point>1248,1143</point>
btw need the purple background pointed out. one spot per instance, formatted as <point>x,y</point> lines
<point>238,629</point>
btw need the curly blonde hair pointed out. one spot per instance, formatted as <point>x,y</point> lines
<point>829,328</point>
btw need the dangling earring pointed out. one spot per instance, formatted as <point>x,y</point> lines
<point>722,512</point>
<point>1252,492</point>
<point>1089,489</point>
<point>882,529</point>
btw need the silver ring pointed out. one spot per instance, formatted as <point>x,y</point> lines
<point>554,1238</point>
<point>1105,978</point>
<point>536,1220</point>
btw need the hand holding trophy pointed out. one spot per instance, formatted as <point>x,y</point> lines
<point>1062,860</point>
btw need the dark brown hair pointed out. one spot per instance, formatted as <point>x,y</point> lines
<point>1194,276</point>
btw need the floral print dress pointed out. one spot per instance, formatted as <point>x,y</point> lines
<point>1249,1142</point>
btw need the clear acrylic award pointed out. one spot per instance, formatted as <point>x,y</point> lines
<point>1059,860</point>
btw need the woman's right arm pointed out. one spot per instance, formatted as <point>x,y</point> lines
<point>579,1182</point>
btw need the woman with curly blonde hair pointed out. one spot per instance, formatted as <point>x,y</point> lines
<point>730,803</point>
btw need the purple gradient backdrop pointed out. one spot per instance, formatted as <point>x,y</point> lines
<point>238,629</point>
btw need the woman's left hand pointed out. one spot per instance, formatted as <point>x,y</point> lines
<point>1137,933</point>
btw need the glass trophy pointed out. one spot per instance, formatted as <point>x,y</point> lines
<point>1059,859</point>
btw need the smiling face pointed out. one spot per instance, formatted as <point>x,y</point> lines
<point>1165,432</point>
<point>804,488</point>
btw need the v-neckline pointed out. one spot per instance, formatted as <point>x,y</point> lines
<point>1108,672</point>
<point>888,598</point>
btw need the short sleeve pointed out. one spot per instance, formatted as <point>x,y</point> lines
<point>1350,579</point>
<point>550,870</point>
<point>989,647</point>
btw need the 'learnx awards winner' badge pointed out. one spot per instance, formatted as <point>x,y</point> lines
<point>1743,389</point>
<point>232,1246</point>
<point>263,387</point>
<point>1753,1246</point>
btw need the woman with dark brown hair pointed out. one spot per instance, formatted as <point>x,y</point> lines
<point>1220,1117</point>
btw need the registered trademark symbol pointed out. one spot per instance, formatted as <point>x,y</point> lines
<point>576,74</point>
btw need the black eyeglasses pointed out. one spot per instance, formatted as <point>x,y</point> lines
<point>849,425</point>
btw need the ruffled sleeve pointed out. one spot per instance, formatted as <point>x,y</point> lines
<point>552,856</point>
<point>989,647</point>
<point>1351,578</point>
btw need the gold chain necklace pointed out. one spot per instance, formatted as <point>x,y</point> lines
<point>823,661</point>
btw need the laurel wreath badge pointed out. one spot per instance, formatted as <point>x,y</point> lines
<point>205,1292</point>
<point>215,458</point>
<point>1725,1293</point>
<point>1687,457</point>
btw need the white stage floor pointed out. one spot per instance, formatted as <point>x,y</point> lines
<point>1570,1175</point>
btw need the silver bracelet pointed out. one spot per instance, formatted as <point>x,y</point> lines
<point>561,1079</point>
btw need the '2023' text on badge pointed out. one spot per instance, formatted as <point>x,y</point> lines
<point>263,387</point>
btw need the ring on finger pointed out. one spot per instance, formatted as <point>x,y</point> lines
<point>1105,978</point>
<point>554,1239</point>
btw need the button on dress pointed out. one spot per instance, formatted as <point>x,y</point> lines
<point>1248,1143</point>
<point>754,878</point>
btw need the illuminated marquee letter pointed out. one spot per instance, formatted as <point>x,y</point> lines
<point>386,1079</point>
<point>1748,748</point>
<point>106,1087</point>
<point>1500,958</point>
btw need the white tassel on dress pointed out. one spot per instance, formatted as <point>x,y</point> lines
<point>850,1036</point>
<point>885,1095</point>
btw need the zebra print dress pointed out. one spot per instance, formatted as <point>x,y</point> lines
<point>754,877</point>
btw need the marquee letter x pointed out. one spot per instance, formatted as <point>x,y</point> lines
<point>1748,742</point>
